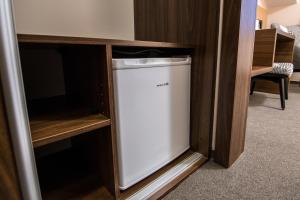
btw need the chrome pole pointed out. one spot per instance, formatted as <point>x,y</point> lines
<point>15,103</point>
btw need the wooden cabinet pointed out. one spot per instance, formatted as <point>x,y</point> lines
<point>70,98</point>
<point>70,101</point>
<point>68,92</point>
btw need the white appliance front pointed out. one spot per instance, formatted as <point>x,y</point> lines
<point>152,98</point>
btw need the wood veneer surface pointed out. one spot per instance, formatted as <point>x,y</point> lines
<point>243,79</point>
<point>113,162</point>
<point>264,48</point>
<point>258,70</point>
<point>271,46</point>
<point>27,38</point>
<point>57,126</point>
<point>284,51</point>
<point>75,173</point>
<point>236,64</point>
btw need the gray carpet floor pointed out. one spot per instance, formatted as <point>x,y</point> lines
<point>270,165</point>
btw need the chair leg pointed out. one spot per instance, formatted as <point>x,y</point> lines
<point>253,82</point>
<point>282,93</point>
<point>286,88</point>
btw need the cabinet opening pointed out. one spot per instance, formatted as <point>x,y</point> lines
<point>66,89</point>
<point>71,168</point>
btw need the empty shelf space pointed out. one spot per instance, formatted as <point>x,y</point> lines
<point>258,70</point>
<point>57,126</point>
<point>283,36</point>
<point>81,189</point>
<point>75,172</point>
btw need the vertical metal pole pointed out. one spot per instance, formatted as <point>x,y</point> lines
<point>15,103</point>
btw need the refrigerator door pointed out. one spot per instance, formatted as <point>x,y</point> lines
<point>152,113</point>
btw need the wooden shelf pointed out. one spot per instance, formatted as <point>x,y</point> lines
<point>271,46</point>
<point>57,126</point>
<point>80,191</point>
<point>27,38</point>
<point>258,70</point>
<point>283,36</point>
<point>65,175</point>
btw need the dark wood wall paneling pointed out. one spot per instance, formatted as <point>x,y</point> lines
<point>236,63</point>
<point>9,186</point>
<point>193,22</point>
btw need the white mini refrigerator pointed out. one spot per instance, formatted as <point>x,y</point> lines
<point>152,99</point>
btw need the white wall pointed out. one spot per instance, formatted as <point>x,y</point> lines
<point>261,3</point>
<point>86,18</point>
<point>287,15</point>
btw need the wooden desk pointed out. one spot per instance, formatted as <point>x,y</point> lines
<point>270,46</point>
<point>258,70</point>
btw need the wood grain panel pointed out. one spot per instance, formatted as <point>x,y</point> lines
<point>9,185</point>
<point>236,64</point>
<point>243,77</point>
<point>114,167</point>
<point>271,46</point>
<point>266,86</point>
<point>284,51</point>
<point>81,171</point>
<point>48,39</point>
<point>258,70</point>
<point>193,22</point>
<point>264,48</point>
<point>64,124</point>
<point>284,36</point>
<point>281,45</point>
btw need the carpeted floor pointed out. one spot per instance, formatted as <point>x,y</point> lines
<point>270,165</point>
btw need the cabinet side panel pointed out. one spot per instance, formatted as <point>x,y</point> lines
<point>114,171</point>
<point>243,77</point>
<point>236,63</point>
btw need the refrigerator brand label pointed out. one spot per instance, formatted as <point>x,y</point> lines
<point>162,84</point>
